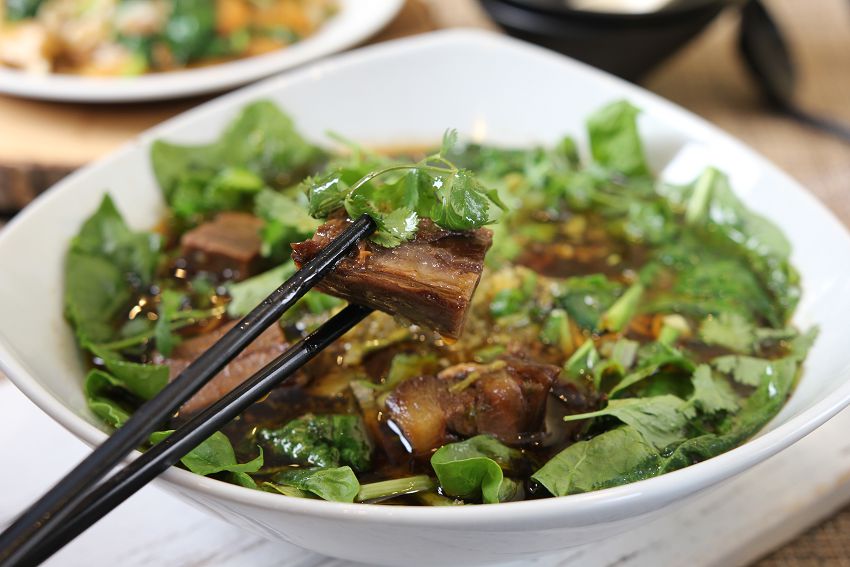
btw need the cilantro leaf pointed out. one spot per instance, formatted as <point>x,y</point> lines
<point>729,330</point>
<point>712,394</point>
<point>660,419</point>
<point>432,188</point>
<point>746,370</point>
<point>652,358</point>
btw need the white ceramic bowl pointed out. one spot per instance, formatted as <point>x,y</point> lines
<point>355,21</point>
<point>491,88</point>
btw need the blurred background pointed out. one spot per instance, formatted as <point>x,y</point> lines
<point>775,74</point>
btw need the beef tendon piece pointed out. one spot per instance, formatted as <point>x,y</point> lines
<point>269,345</point>
<point>428,280</point>
<point>505,399</point>
<point>228,245</point>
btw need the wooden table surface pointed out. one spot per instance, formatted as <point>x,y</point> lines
<point>39,142</point>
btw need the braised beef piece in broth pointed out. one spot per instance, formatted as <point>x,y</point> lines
<point>228,245</point>
<point>266,348</point>
<point>429,280</point>
<point>506,399</point>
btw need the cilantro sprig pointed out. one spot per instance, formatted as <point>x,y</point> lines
<point>396,196</point>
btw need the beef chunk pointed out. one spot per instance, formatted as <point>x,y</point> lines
<point>228,245</point>
<point>506,399</point>
<point>428,280</point>
<point>269,345</point>
<point>418,409</point>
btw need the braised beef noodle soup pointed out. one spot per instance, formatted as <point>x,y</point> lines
<point>545,325</point>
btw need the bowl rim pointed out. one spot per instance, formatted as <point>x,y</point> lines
<point>530,513</point>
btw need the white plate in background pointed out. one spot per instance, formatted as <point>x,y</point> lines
<point>356,21</point>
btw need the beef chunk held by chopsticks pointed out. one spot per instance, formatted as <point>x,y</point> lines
<point>428,280</point>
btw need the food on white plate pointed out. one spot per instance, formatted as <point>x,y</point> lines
<point>132,37</point>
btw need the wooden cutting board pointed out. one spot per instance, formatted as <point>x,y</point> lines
<point>41,142</point>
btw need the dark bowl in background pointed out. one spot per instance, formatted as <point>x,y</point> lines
<point>626,44</point>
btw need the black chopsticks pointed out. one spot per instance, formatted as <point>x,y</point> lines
<point>74,503</point>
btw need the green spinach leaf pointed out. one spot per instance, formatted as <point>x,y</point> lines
<point>473,468</point>
<point>335,484</point>
<point>660,419</point>
<point>615,457</point>
<point>105,260</point>
<point>323,441</point>
<point>286,221</point>
<point>614,139</point>
<point>214,455</point>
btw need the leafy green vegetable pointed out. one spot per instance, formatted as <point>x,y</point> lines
<point>95,293</point>
<point>617,317</point>
<point>759,408</point>
<point>711,394</point>
<point>190,29</point>
<point>580,366</point>
<point>286,220</point>
<point>260,148</point>
<point>614,139</point>
<point>22,9</point>
<point>336,484</point>
<point>802,343</point>
<point>586,298</point>
<point>105,259</point>
<point>142,380</point>
<point>321,441</point>
<point>612,458</point>
<point>473,469</point>
<point>513,300</point>
<point>623,455</point>
<point>652,358</point>
<point>106,235</point>
<point>230,189</point>
<point>556,330</point>
<point>660,420</point>
<point>728,330</point>
<point>247,294</point>
<point>722,217</point>
<point>624,353</point>
<point>709,281</point>
<point>746,370</point>
<point>383,490</point>
<point>98,387</point>
<point>405,366</point>
<point>169,304</point>
<point>214,455</point>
